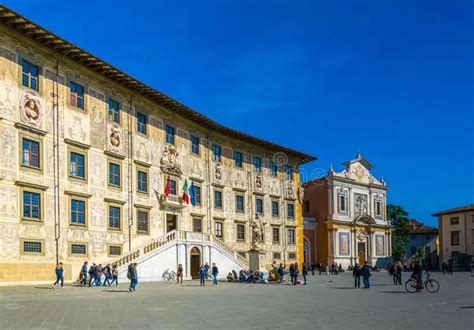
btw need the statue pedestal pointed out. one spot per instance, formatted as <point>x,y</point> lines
<point>256,260</point>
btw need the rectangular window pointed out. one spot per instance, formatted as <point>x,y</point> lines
<point>259,205</point>
<point>218,229</point>
<point>78,249</point>
<point>242,254</point>
<point>30,153</point>
<point>114,111</point>
<point>78,212</point>
<point>31,205</point>
<point>197,194</point>
<point>257,163</point>
<point>195,145</point>
<point>240,232</point>
<point>197,225</point>
<point>141,123</point>
<point>173,189</point>
<point>142,222</point>
<point>239,203</point>
<point>33,247</point>
<point>170,134</point>
<point>273,168</point>
<point>76,164</point>
<point>289,172</point>
<point>114,217</point>
<point>378,208</point>
<point>455,221</point>
<point>275,208</point>
<point>455,238</point>
<point>30,74</point>
<point>142,181</point>
<point>114,174</point>
<point>276,255</point>
<point>216,153</point>
<point>276,235</point>
<point>291,255</point>
<point>115,250</point>
<point>76,93</point>
<point>379,245</point>
<point>237,159</point>
<point>342,203</point>
<point>306,206</point>
<point>218,199</point>
<point>291,236</point>
<point>290,213</point>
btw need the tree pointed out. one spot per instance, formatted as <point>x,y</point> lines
<point>400,230</point>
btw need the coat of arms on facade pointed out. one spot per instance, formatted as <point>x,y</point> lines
<point>30,110</point>
<point>257,233</point>
<point>360,204</point>
<point>169,161</point>
<point>114,140</point>
<point>218,172</point>
<point>258,183</point>
<point>290,189</point>
<point>75,131</point>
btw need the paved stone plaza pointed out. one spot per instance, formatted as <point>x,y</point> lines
<point>327,302</point>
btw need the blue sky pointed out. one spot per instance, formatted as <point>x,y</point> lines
<point>393,79</point>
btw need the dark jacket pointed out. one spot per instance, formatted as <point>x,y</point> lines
<point>357,271</point>
<point>366,271</point>
<point>215,270</point>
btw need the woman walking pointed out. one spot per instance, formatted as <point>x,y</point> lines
<point>202,275</point>
<point>179,274</point>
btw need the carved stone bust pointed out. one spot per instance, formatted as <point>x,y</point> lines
<point>114,140</point>
<point>30,110</point>
<point>258,183</point>
<point>169,161</point>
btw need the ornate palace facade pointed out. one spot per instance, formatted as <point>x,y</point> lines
<point>86,153</point>
<point>345,215</point>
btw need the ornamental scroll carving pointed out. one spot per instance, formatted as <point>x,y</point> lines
<point>30,110</point>
<point>169,161</point>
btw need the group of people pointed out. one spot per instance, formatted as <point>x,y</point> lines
<point>365,272</point>
<point>204,273</point>
<point>98,275</point>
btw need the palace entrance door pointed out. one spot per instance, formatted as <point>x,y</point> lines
<point>195,262</point>
<point>361,252</point>
<point>171,222</point>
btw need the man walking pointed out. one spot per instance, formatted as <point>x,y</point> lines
<point>215,272</point>
<point>366,273</point>
<point>356,273</point>
<point>133,277</point>
<point>202,275</point>
<point>92,275</point>
<point>114,275</point>
<point>281,273</point>
<point>304,271</point>
<point>292,274</point>
<point>59,276</point>
<point>84,274</point>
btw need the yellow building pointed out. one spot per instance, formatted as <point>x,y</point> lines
<point>87,153</point>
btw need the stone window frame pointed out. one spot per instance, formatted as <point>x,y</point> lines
<point>195,136</point>
<point>114,246</point>
<point>116,99</point>
<point>84,199</point>
<point>291,242</point>
<point>273,234</point>
<point>119,163</point>
<point>83,152</point>
<point>342,194</point>
<point>276,255</point>
<point>143,169</point>
<point>120,206</point>
<point>218,147</point>
<point>36,190</point>
<point>287,215</point>
<point>147,121</point>
<point>82,83</point>
<point>378,199</point>
<point>452,241</point>
<point>198,184</point>
<point>194,218</point>
<point>36,138</point>
<point>143,210</point>
<point>221,222</point>
<point>220,190</point>
<point>454,221</point>
<point>24,56</point>
<point>240,194</point>
<point>254,159</point>
<point>260,197</point>
<point>238,151</point>
<point>72,255</point>
<point>237,226</point>
<point>377,253</point>
<point>22,247</point>
<point>175,133</point>
<point>277,215</point>
<point>292,255</point>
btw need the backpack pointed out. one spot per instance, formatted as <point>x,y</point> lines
<point>129,272</point>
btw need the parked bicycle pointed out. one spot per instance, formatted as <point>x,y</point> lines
<point>429,284</point>
<point>168,276</point>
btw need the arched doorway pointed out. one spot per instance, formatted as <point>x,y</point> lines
<point>195,262</point>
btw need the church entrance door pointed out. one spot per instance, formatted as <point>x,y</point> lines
<point>195,262</point>
<point>361,252</point>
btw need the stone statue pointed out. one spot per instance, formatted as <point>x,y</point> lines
<point>218,172</point>
<point>258,183</point>
<point>301,193</point>
<point>290,189</point>
<point>257,233</point>
<point>169,161</point>
<point>360,204</point>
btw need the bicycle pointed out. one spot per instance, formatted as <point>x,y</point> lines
<point>429,284</point>
<point>168,276</point>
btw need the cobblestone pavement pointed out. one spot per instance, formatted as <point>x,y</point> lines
<point>327,302</point>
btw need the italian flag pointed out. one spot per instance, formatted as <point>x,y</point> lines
<point>185,192</point>
<point>168,187</point>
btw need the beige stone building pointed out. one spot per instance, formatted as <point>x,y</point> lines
<point>86,153</point>
<point>456,233</point>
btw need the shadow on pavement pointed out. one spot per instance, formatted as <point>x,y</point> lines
<point>115,291</point>
<point>393,292</point>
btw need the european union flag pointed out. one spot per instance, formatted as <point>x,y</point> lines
<point>192,194</point>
